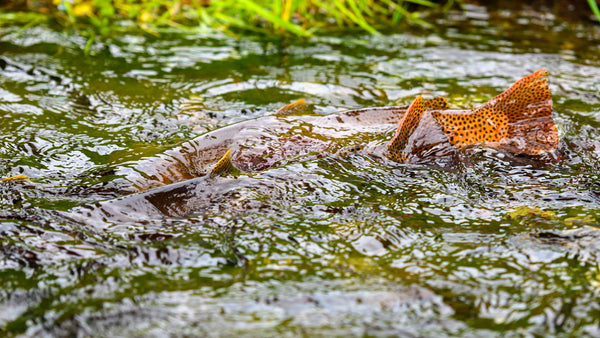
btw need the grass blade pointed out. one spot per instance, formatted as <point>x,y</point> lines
<point>594,7</point>
<point>274,19</point>
<point>360,21</point>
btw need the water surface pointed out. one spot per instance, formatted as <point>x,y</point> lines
<point>327,246</point>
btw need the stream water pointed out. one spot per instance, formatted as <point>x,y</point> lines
<point>494,246</point>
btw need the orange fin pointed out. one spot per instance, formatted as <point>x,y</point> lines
<point>519,120</point>
<point>292,108</point>
<point>409,122</point>
<point>223,166</point>
<point>438,103</point>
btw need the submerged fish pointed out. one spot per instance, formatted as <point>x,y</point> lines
<point>519,121</point>
<point>289,135</point>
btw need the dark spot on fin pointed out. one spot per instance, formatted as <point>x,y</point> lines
<point>397,146</point>
<point>224,166</point>
<point>518,120</point>
<point>437,103</point>
<point>295,107</point>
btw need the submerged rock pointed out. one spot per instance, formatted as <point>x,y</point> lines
<point>584,241</point>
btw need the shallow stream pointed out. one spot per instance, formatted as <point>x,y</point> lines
<point>494,246</point>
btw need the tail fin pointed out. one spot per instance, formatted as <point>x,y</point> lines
<point>519,120</point>
<point>297,106</point>
<point>224,166</point>
<point>409,122</point>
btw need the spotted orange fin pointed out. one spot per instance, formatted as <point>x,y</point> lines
<point>438,103</point>
<point>295,107</point>
<point>519,120</point>
<point>409,122</point>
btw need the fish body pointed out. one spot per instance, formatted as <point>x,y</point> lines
<point>518,120</point>
<point>258,144</point>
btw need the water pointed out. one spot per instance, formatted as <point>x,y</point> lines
<point>354,246</point>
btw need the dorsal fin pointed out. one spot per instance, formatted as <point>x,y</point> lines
<point>223,166</point>
<point>408,124</point>
<point>520,119</point>
<point>438,103</point>
<point>295,107</point>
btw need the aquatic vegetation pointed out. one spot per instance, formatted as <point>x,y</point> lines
<point>265,17</point>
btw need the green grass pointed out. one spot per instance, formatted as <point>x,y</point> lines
<point>594,7</point>
<point>275,18</point>
<point>267,18</point>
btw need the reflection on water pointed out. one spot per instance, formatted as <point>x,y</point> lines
<point>326,246</point>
